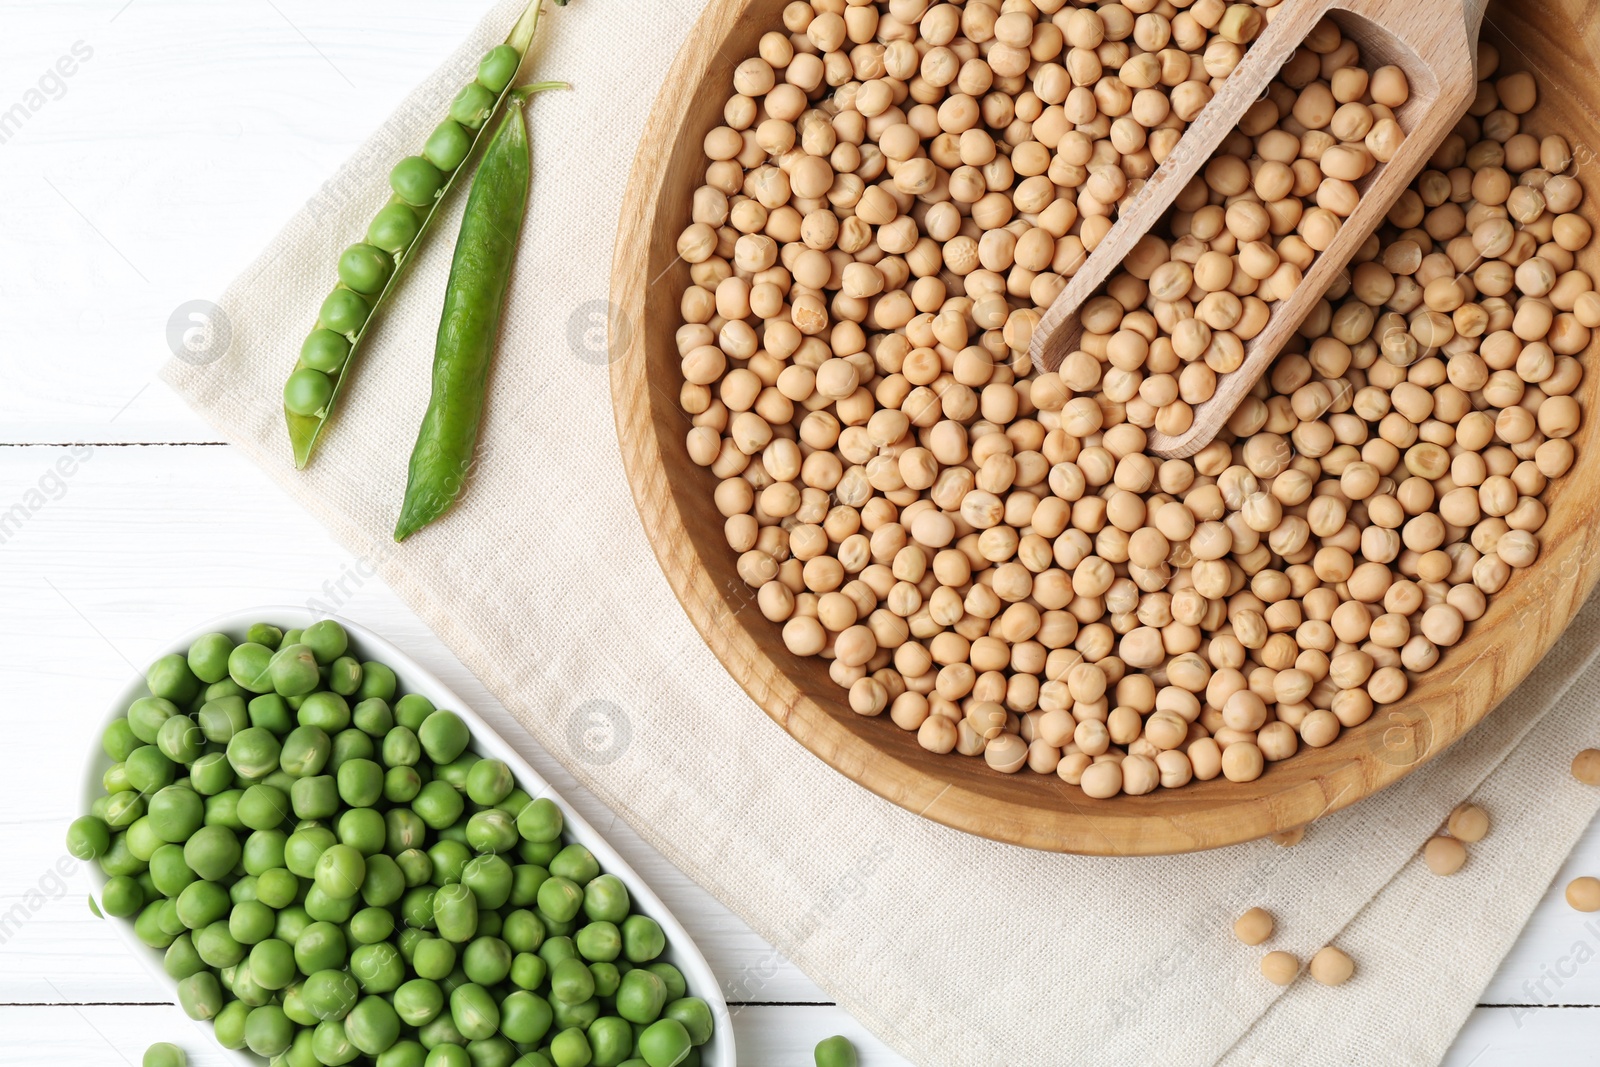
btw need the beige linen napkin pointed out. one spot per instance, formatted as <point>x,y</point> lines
<point>953,949</point>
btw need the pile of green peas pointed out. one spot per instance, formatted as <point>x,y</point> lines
<point>365,268</point>
<point>335,878</point>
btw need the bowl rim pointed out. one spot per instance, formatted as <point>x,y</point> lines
<point>681,949</point>
<point>1442,705</point>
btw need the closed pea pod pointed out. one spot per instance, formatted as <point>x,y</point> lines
<point>474,297</point>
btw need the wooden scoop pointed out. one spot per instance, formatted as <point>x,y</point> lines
<point>1433,41</point>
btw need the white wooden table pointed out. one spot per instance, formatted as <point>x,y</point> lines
<point>148,148</point>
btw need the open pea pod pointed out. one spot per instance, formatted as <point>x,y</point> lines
<point>370,270</point>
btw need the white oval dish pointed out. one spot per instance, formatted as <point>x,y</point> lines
<point>681,951</point>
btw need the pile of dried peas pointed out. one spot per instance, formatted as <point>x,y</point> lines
<point>986,553</point>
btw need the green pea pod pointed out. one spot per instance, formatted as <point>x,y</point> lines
<point>370,270</point>
<point>473,299</point>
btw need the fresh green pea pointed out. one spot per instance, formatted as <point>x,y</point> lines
<point>306,751</point>
<point>416,181</point>
<point>293,921</point>
<point>306,847</point>
<point>307,392</point>
<point>118,739</point>
<point>225,687</point>
<point>168,870</point>
<point>365,268</point>
<point>181,959</point>
<point>293,668</point>
<point>474,1012</point>
<point>327,638</point>
<point>412,710</point>
<point>447,146</point>
<point>489,878</point>
<point>570,1048</point>
<point>371,716</point>
<point>316,797</point>
<point>377,680</point>
<point>489,782</point>
<point>455,912</point>
<point>834,1051</point>
<point>263,807</point>
<point>605,898</point>
<point>292,1000</point>
<point>401,785</point>
<point>277,888</point>
<point>145,717</point>
<point>319,947</point>
<point>268,1031</point>
<point>271,712</point>
<point>416,908</point>
<point>360,783</point>
<point>329,993</point>
<point>514,801</point>
<point>325,351</point>
<point>487,960</point>
<point>371,925</point>
<point>493,1051</point>
<point>455,772</point>
<point>343,311</point>
<point>418,1002</point>
<point>164,1054</point>
<point>339,871</point>
<point>526,878</point>
<point>228,1026</point>
<point>611,1039</point>
<point>176,813</point>
<point>498,66</point>
<point>88,838</point>
<point>392,229</point>
<point>147,927</point>
<point>557,948</point>
<point>180,739</point>
<point>677,987</point>
<point>642,939</point>
<point>472,106</point>
<point>577,863</point>
<point>253,753</point>
<point>223,810</point>
<point>434,958</point>
<point>143,841</point>
<point>535,1059</point>
<point>211,774</point>
<point>560,899</point>
<point>114,780</point>
<point>436,803</point>
<point>264,850</point>
<point>540,822</point>
<point>200,996</point>
<point>372,1025</point>
<point>414,864</point>
<point>528,971</point>
<point>251,923</point>
<point>264,633</point>
<point>489,924</point>
<point>331,1045</point>
<point>249,663</point>
<point>379,968</point>
<point>571,982</point>
<point>171,679</point>
<point>599,941</point>
<point>492,830</point>
<point>244,986</point>
<point>384,884</point>
<point>121,897</point>
<point>243,890</point>
<point>444,736</point>
<point>694,1014</point>
<point>328,711</point>
<point>665,1043</point>
<point>447,1055</point>
<point>522,930</point>
<point>449,859</point>
<point>202,903</point>
<point>404,1053</point>
<point>272,964</point>
<point>212,852</point>
<point>220,719</point>
<point>123,809</point>
<point>362,829</point>
<point>641,996</point>
<point>217,946</point>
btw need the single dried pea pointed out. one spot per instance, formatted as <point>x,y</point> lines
<point>1468,823</point>
<point>1586,766</point>
<point>1279,968</point>
<point>1254,926</point>
<point>1331,967</point>
<point>1444,855</point>
<point>1584,893</point>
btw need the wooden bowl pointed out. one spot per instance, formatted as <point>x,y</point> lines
<point>1559,40</point>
